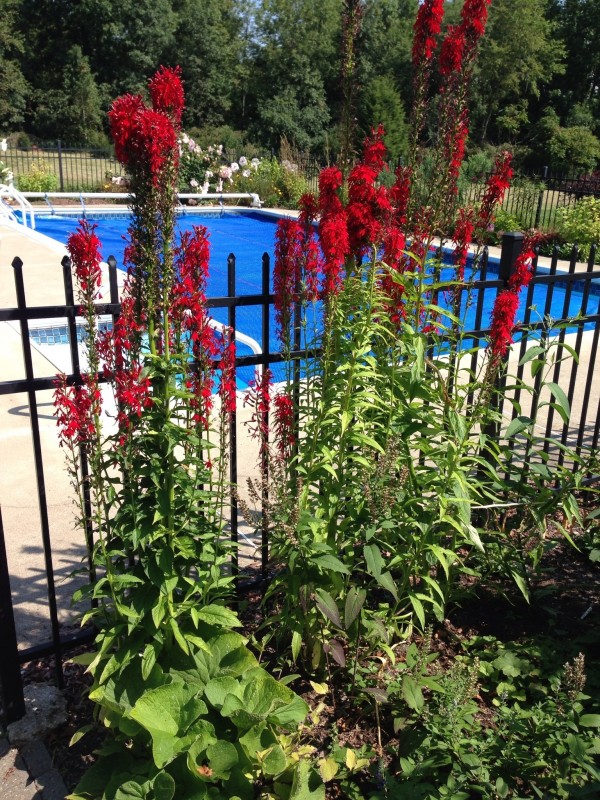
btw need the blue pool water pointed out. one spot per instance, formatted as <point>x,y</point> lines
<point>248,236</point>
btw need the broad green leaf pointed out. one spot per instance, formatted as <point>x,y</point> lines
<point>375,562</point>
<point>332,563</point>
<point>328,769</point>
<point>132,791</point>
<point>418,609</point>
<point>217,690</point>
<point>148,660</point>
<point>355,600</point>
<point>386,581</point>
<point>219,616</point>
<point>319,688</point>
<point>518,425</point>
<point>533,352</point>
<point>412,694</point>
<point>327,605</point>
<point>562,402</point>
<point>590,720</point>
<point>164,786</point>
<point>306,784</point>
<point>520,581</point>
<point>222,757</point>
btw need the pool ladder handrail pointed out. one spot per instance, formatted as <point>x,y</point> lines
<point>10,192</point>
<point>242,338</point>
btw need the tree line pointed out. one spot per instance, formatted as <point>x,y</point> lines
<point>265,71</point>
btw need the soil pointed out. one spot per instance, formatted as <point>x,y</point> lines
<point>565,604</point>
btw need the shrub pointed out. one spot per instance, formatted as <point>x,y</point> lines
<point>38,179</point>
<point>580,224</point>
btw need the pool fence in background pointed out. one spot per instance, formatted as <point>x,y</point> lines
<point>577,379</point>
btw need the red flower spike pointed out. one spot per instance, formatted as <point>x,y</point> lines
<point>503,322</point>
<point>287,269</point>
<point>166,91</point>
<point>497,184</point>
<point>427,27</point>
<point>228,386</point>
<point>285,437</point>
<point>84,249</point>
<point>122,118</point>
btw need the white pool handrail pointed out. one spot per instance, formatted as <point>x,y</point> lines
<point>242,338</point>
<point>8,191</point>
<point>256,201</point>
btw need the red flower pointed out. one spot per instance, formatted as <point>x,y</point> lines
<point>497,184</point>
<point>286,275</point>
<point>84,249</point>
<point>228,385</point>
<point>123,117</point>
<point>333,231</point>
<point>284,424</point>
<point>166,91</point>
<point>259,398</point>
<point>503,322</point>
<point>75,410</point>
<point>452,50</point>
<point>463,234</point>
<point>400,194</point>
<point>426,29</point>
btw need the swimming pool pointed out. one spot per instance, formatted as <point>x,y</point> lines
<point>250,234</point>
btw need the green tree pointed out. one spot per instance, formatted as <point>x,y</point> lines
<point>382,104</point>
<point>519,54</point>
<point>208,46</point>
<point>578,25</point>
<point>14,88</point>
<point>296,75</point>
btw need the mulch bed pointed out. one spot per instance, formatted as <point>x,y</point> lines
<point>565,604</point>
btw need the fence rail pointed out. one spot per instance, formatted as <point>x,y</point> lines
<point>578,379</point>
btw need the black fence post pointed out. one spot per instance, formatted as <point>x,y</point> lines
<point>231,321</point>
<point>11,681</point>
<point>60,166</point>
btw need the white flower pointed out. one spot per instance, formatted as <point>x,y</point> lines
<point>220,150</point>
<point>235,166</point>
<point>205,187</point>
<point>243,161</point>
<point>208,174</point>
<point>194,183</point>
<point>246,173</point>
<point>225,172</point>
<point>255,163</point>
<point>4,145</point>
<point>185,138</point>
<point>219,186</point>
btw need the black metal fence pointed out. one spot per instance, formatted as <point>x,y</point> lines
<point>56,167</point>
<point>532,201</point>
<point>576,377</point>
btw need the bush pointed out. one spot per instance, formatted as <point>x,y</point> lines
<point>38,179</point>
<point>580,224</point>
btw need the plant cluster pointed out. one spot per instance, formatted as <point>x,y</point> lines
<point>189,710</point>
<point>388,475</point>
<point>40,178</point>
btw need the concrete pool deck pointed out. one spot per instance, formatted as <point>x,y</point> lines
<point>18,489</point>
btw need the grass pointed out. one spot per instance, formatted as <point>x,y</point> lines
<point>80,170</point>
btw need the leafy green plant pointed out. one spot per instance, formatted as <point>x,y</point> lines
<point>188,711</point>
<point>580,224</point>
<point>39,178</point>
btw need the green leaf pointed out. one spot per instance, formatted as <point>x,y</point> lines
<point>590,720</point>
<point>412,694</point>
<point>222,757</point>
<point>164,786</point>
<point>518,425</point>
<point>306,784</point>
<point>131,791</point>
<point>375,562</point>
<point>327,605</point>
<point>296,644</point>
<point>336,650</point>
<point>331,563</point>
<point>533,352</point>
<point>328,769</point>
<point>562,402</point>
<point>386,581</point>
<point>521,583</point>
<point>355,600</point>
<point>219,616</point>
<point>148,660</point>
